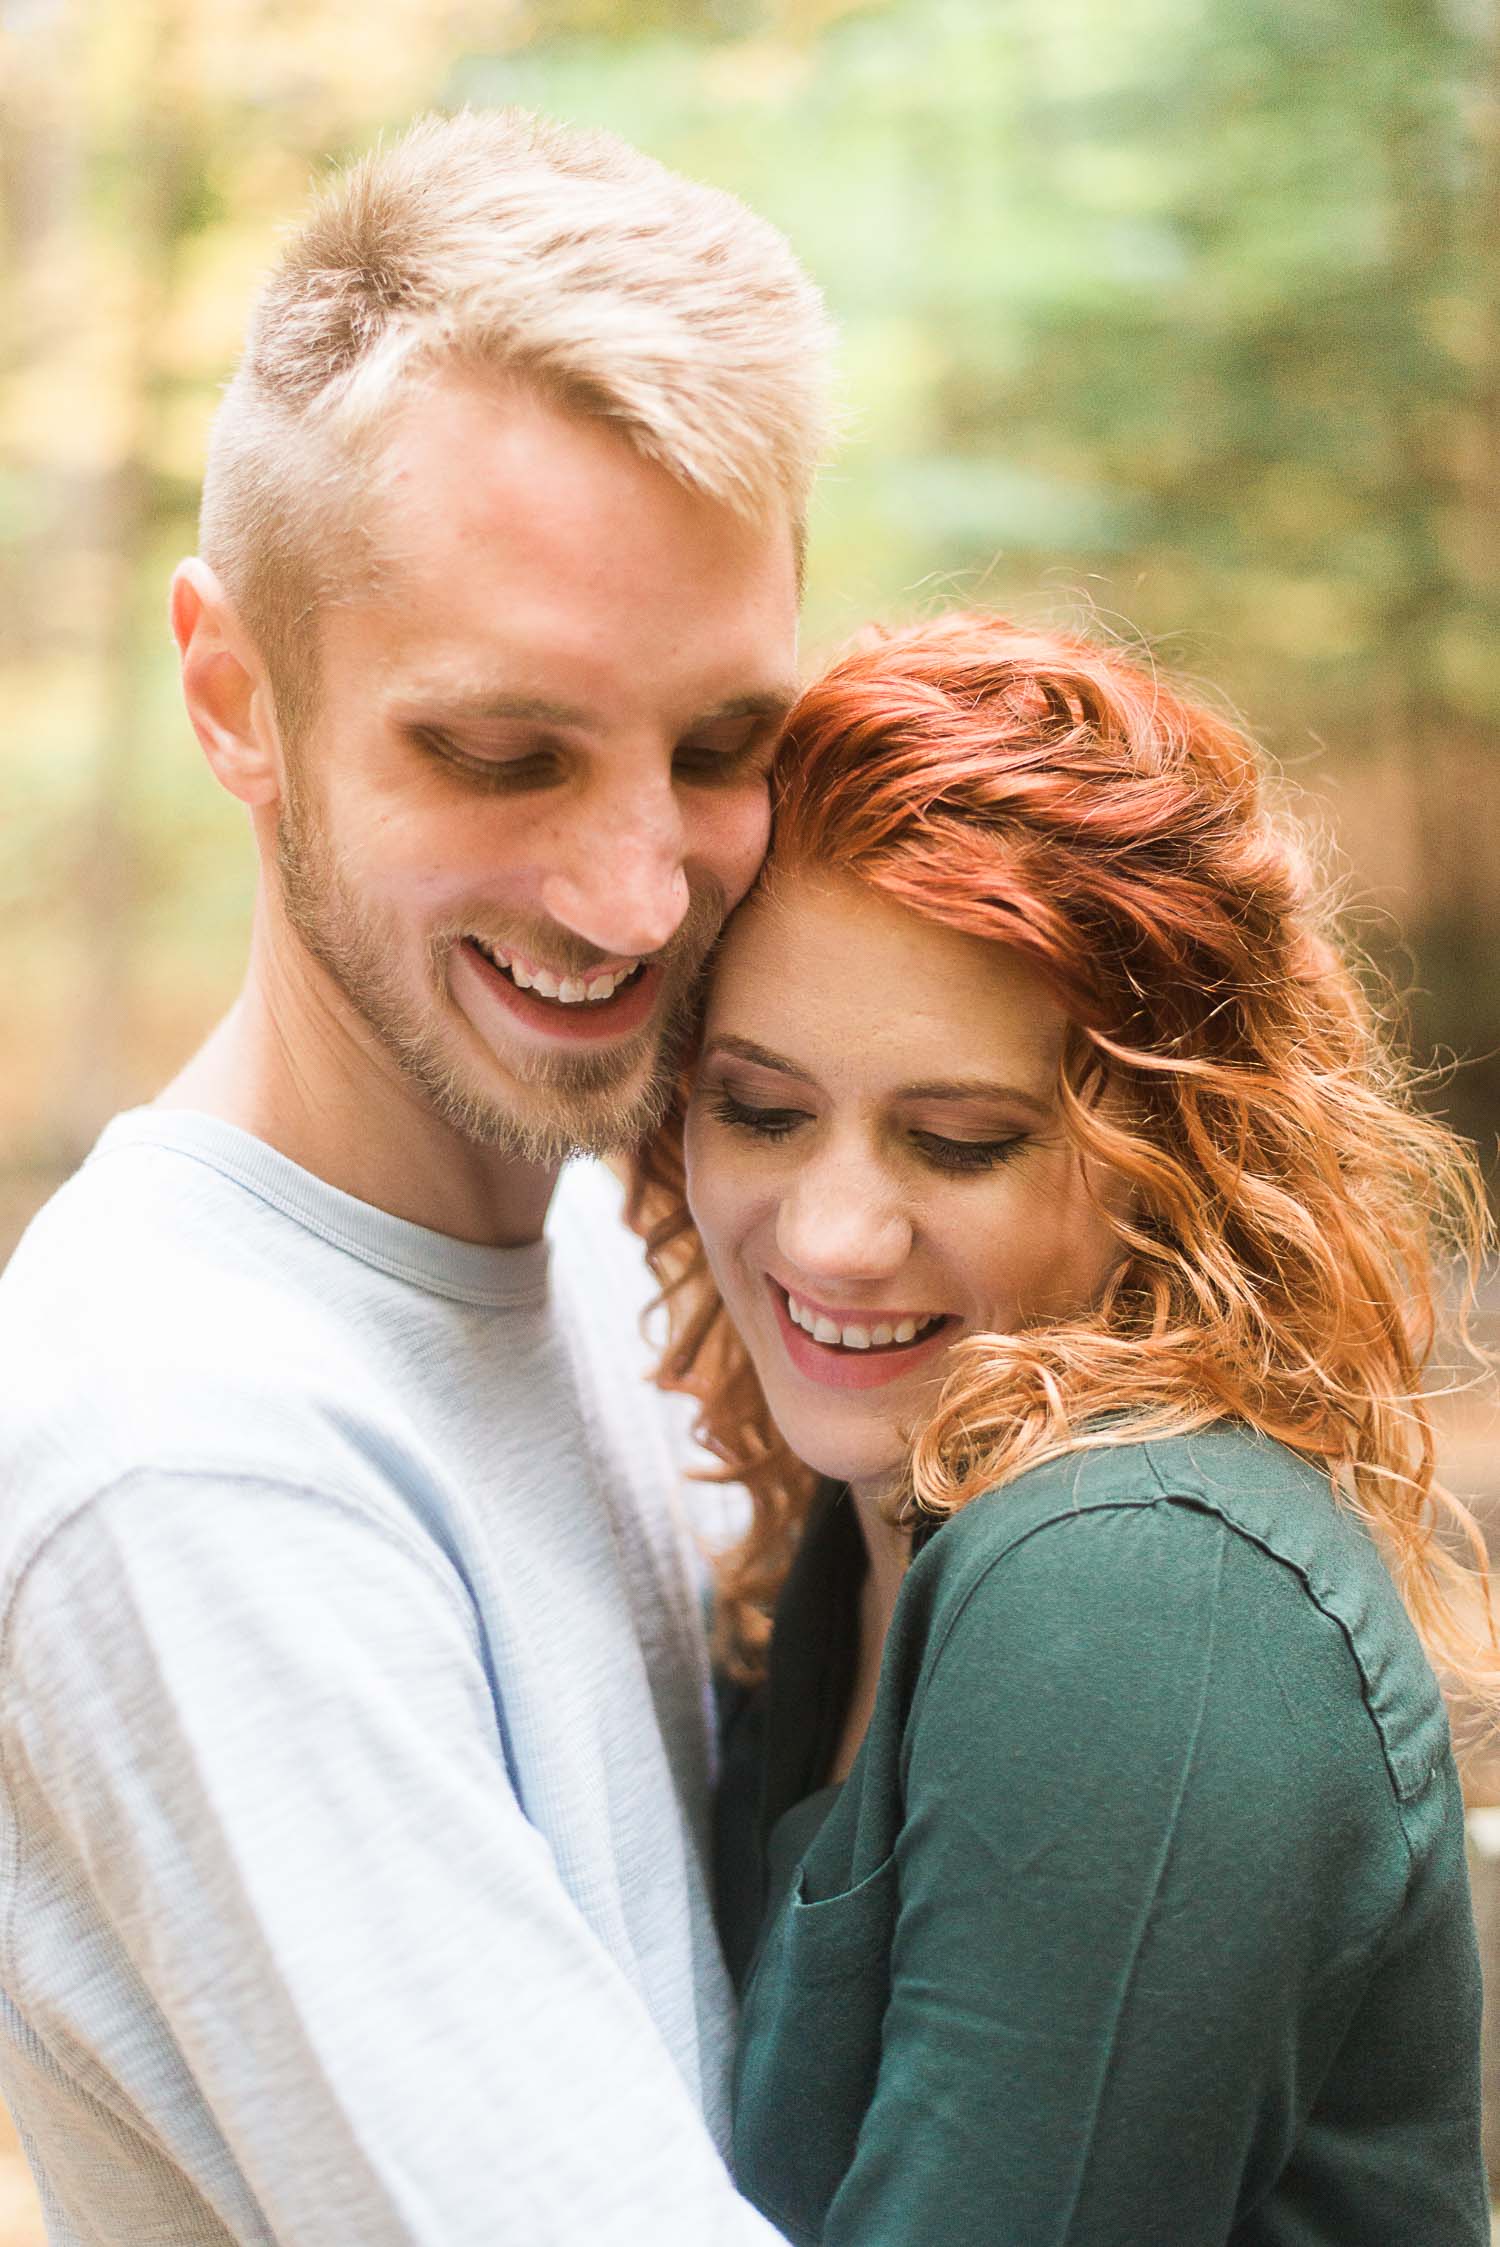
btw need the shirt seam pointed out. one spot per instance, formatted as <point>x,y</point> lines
<point>100,2089</point>
<point>1202,1501</point>
<point>208,1471</point>
<point>1405,1792</point>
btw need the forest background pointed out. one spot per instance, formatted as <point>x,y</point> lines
<point>1185,313</point>
<point>1179,314</point>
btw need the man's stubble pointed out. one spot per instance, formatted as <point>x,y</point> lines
<point>602,1101</point>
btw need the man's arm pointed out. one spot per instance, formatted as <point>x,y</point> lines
<point>259,1724</point>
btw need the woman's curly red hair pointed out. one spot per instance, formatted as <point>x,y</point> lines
<point>1290,1208</point>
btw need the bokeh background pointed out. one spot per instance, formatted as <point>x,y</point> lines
<point>1184,314</point>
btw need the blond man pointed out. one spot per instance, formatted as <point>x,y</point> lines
<point>353,1751</point>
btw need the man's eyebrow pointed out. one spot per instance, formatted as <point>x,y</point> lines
<point>481,704</point>
<point>945,1088</point>
<point>767,702</point>
<point>770,703</point>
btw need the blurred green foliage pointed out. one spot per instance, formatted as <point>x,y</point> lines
<point>1185,312</point>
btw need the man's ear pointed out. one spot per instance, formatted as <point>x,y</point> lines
<point>225,688</point>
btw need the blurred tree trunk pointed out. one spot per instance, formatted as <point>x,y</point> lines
<point>1423,440</point>
<point>40,161</point>
<point>1443,411</point>
<point>150,157</point>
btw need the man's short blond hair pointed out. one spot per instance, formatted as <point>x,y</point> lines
<point>502,245</point>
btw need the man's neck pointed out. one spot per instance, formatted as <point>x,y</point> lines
<point>296,1072</point>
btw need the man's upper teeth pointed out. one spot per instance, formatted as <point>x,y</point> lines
<point>569,990</point>
<point>824,1329</point>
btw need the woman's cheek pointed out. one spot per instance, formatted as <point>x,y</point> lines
<point>720,1195</point>
<point>697,1168</point>
<point>1065,1244</point>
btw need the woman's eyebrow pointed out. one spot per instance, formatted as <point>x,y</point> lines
<point>946,1088</point>
<point>975,1088</point>
<point>745,1049</point>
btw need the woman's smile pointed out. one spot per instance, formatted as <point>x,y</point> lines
<point>855,1349</point>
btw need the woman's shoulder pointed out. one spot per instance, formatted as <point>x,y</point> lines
<point>1222,1527</point>
<point>1277,1501</point>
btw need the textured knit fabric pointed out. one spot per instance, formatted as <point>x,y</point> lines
<point>353,1743</point>
<point>1142,1919</point>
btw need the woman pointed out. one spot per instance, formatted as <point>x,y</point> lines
<point>1050,1249</point>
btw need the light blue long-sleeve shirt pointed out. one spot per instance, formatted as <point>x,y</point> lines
<point>353,1745</point>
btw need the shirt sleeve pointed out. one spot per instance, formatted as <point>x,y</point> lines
<point>1146,1809</point>
<point>253,1727</point>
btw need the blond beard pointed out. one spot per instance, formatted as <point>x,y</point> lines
<point>601,1102</point>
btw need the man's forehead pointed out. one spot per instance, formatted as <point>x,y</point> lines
<point>553,674</point>
<point>465,464</point>
<point>453,441</point>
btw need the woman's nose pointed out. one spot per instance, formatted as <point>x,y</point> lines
<point>844,1220</point>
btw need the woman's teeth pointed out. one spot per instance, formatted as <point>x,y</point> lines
<point>568,990</point>
<point>877,1337</point>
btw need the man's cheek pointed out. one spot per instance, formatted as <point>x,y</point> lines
<point>741,844</point>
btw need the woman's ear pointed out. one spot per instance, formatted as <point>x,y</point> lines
<point>225,688</point>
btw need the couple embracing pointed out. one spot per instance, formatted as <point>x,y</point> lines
<point>1044,1244</point>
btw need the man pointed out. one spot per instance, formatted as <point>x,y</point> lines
<point>354,1748</point>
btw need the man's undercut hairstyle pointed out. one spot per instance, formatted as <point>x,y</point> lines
<point>500,245</point>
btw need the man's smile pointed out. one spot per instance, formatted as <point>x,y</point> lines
<point>590,987</point>
<point>496,999</point>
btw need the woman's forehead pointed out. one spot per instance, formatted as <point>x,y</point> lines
<point>820,967</point>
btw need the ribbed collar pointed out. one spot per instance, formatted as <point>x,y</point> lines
<point>465,1271</point>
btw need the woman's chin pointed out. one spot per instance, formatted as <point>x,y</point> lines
<point>844,1434</point>
<point>840,1454</point>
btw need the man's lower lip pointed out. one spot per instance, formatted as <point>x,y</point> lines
<point>850,1369</point>
<point>571,1025</point>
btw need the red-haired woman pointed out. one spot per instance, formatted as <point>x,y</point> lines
<point>1051,1251</point>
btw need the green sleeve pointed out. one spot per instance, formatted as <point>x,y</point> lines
<point>1149,1853</point>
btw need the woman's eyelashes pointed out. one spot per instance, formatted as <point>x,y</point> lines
<point>774,1124</point>
<point>760,1123</point>
<point>967,1154</point>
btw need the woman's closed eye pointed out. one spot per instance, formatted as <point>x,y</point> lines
<point>966,1154</point>
<point>776,1123</point>
<point>761,1123</point>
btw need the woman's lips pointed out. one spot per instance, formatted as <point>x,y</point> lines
<point>835,1368</point>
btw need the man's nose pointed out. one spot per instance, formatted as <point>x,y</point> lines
<point>623,887</point>
<point>844,1220</point>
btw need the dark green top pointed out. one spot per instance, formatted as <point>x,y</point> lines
<point>1142,1919</point>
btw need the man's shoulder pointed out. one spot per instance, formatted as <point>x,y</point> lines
<point>149,1263</point>
<point>156,1316</point>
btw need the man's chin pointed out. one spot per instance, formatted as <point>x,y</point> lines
<point>547,1123</point>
